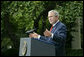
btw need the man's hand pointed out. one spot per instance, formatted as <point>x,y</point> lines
<point>33,35</point>
<point>47,33</point>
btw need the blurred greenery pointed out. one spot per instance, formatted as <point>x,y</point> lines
<point>19,16</point>
<point>74,52</point>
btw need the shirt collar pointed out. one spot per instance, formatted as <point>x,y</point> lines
<point>55,23</point>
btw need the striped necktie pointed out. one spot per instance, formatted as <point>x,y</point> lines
<point>51,28</point>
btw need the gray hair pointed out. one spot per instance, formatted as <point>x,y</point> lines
<point>55,12</point>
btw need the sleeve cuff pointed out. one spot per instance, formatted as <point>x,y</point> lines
<point>52,35</point>
<point>39,36</point>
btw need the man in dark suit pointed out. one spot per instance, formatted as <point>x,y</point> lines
<point>56,35</point>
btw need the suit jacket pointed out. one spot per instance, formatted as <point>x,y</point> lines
<point>59,38</point>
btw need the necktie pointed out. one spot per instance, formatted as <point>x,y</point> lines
<point>51,28</point>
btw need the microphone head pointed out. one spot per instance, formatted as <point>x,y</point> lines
<point>31,31</point>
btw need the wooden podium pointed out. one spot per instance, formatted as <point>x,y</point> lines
<point>33,47</point>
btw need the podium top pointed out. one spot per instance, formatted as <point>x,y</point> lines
<point>46,42</point>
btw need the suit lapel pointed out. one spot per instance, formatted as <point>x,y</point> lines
<point>55,27</point>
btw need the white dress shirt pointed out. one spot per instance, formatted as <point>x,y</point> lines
<point>53,26</point>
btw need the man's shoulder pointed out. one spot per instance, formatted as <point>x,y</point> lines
<point>60,24</point>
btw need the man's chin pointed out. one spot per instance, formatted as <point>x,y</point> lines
<point>51,23</point>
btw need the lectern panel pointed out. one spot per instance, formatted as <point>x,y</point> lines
<point>33,47</point>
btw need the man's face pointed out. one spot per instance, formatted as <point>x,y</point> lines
<point>52,18</point>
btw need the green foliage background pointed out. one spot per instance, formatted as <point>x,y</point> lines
<point>19,16</point>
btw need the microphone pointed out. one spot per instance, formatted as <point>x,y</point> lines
<point>30,31</point>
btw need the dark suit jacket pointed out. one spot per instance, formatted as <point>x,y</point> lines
<point>59,38</point>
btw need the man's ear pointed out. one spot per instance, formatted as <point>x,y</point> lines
<point>57,16</point>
